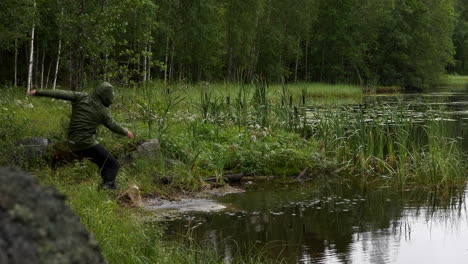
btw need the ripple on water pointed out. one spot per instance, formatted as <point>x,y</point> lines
<point>186,205</point>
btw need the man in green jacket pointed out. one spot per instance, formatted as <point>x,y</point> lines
<point>89,111</point>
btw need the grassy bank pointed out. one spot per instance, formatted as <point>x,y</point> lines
<point>455,81</point>
<point>208,129</point>
<point>126,235</point>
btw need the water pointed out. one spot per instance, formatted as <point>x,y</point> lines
<point>342,223</point>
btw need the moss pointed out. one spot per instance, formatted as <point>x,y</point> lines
<point>38,227</point>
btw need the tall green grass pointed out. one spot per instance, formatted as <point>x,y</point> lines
<point>388,141</point>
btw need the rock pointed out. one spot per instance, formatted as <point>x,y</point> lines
<point>37,226</point>
<point>159,179</point>
<point>132,196</point>
<point>170,163</point>
<point>30,151</point>
<point>148,149</point>
<point>166,180</point>
<point>233,177</point>
<point>33,150</point>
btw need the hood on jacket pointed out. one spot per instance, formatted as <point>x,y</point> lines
<point>105,93</point>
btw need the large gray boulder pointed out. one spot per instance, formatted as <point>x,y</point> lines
<point>149,149</point>
<point>37,226</point>
<point>145,150</point>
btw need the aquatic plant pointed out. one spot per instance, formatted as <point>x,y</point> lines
<point>389,141</point>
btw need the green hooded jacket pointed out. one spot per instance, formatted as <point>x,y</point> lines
<point>89,111</point>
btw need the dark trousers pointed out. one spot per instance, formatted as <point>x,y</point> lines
<point>107,164</point>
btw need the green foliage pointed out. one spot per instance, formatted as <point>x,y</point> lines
<point>416,52</point>
<point>15,21</point>
<point>460,39</point>
<point>407,43</point>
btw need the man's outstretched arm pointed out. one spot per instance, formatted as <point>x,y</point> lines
<point>115,127</point>
<point>58,94</point>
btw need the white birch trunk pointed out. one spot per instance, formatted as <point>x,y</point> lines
<point>144,62</point>
<point>31,57</point>
<point>57,64</point>
<point>48,75</point>
<point>58,58</point>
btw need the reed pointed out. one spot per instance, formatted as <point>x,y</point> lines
<point>387,141</point>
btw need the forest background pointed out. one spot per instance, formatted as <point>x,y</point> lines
<point>406,43</point>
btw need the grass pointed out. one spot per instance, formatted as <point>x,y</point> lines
<point>126,235</point>
<point>255,129</point>
<point>208,129</point>
<point>387,141</point>
<point>322,90</point>
<point>455,81</point>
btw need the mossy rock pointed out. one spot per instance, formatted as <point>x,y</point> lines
<point>37,226</point>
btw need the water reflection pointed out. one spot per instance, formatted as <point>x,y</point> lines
<point>337,224</point>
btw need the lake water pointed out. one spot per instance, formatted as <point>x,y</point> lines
<point>339,222</point>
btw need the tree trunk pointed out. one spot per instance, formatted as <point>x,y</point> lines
<point>180,71</point>
<point>16,63</point>
<point>31,57</point>
<point>106,61</point>
<point>199,75</point>
<point>57,64</point>
<point>306,73</point>
<point>48,74</point>
<point>171,68</point>
<point>281,75</point>
<point>150,58</point>
<point>361,82</point>
<point>322,64</point>
<point>229,44</point>
<point>77,59</point>
<point>36,66</point>
<point>145,52</point>
<point>69,72</point>
<point>166,60</point>
<point>297,60</point>
<point>229,67</point>
<point>42,69</point>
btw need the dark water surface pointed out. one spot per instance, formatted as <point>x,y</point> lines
<point>342,223</point>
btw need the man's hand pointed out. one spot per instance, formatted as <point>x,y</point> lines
<point>130,135</point>
<point>32,92</point>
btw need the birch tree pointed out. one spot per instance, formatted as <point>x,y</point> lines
<point>15,26</point>
<point>31,56</point>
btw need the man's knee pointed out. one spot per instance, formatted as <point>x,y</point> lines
<point>112,163</point>
<point>116,164</point>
